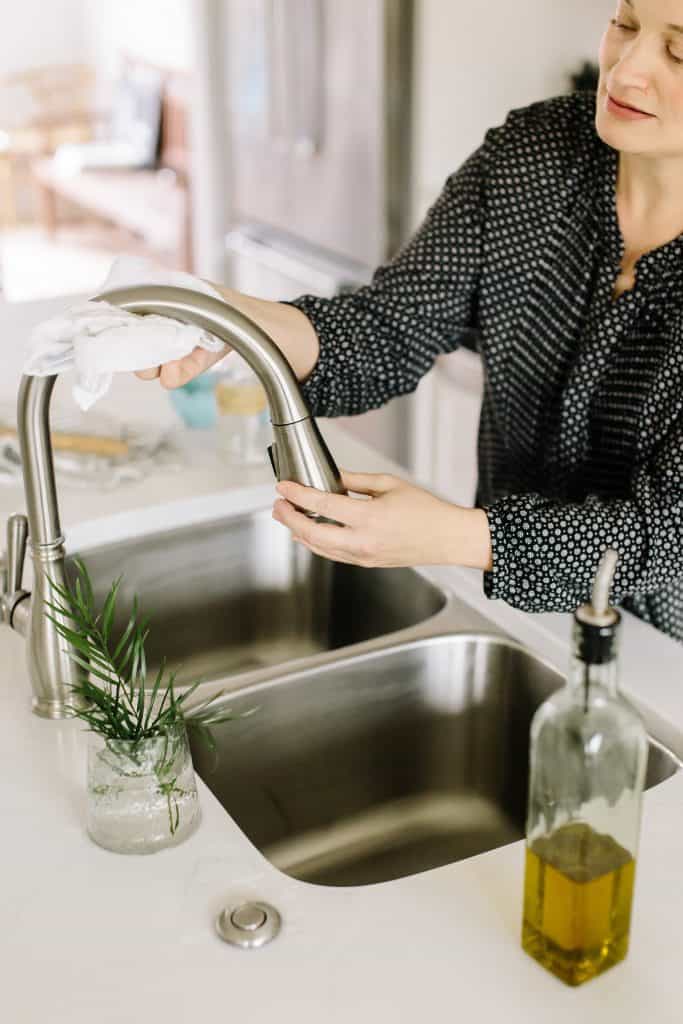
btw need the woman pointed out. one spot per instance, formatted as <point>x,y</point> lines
<point>559,240</point>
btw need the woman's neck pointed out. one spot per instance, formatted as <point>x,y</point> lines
<point>650,192</point>
<point>649,210</point>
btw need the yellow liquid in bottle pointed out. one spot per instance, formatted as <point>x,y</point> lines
<point>578,892</point>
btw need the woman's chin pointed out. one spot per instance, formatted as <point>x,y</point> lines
<point>617,136</point>
<point>607,133</point>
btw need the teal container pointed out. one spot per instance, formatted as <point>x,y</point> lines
<point>195,402</point>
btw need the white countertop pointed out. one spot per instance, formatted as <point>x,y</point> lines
<point>87,935</point>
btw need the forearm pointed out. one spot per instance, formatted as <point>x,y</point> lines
<point>290,329</point>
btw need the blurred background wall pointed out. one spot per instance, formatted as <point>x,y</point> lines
<point>35,33</point>
<point>476,61</point>
<point>158,30</point>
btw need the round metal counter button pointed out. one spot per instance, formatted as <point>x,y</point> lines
<point>248,926</point>
<point>249,917</point>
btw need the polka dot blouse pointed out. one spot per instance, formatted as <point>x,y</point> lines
<point>581,433</point>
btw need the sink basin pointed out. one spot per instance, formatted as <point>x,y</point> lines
<point>235,594</point>
<point>362,765</point>
<point>388,763</point>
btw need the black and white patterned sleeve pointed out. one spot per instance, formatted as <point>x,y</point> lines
<point>378,342</point>
<point>546,551</point>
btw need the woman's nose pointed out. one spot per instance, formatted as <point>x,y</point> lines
<point>626,79</point>
<point>632,70</point>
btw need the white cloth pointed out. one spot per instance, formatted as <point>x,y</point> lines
<point>96,339</point>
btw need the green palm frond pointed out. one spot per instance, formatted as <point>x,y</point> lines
<point>113,698</point>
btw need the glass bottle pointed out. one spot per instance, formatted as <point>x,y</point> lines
<point>588,760</point>
<point>243,419</point>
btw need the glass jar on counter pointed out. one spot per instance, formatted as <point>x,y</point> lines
<point>142,795</point>
<point>242,418</point>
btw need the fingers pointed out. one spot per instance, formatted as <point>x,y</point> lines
<point>373,484</point>
<point>179,371</point>
<point>323,537</point>
<point>332,506</point>
<point>335,556</point>
<point>340,507</point>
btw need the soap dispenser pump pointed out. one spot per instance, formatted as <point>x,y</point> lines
<point>588,758</point>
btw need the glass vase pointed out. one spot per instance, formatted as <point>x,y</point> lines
<point>142,795</point>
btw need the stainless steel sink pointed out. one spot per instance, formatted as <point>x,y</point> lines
<point>388,763</point>
<point>237,595</point>
<point>393,721</point>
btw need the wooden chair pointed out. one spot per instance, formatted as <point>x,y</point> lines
<point>39,109</point>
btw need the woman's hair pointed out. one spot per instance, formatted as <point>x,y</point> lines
<point>586,78</point>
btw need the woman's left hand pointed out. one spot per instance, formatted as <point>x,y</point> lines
<point>397,524</point>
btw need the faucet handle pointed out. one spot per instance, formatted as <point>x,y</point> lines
<point>17,536</point>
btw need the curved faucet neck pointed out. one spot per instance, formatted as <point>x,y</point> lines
<point>33,428</point>
<point>216,317</point>
<point>298,453</point>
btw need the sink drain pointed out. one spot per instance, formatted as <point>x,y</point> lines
<point>248,926</point>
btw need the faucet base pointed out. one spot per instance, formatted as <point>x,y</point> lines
<point>52,709</point>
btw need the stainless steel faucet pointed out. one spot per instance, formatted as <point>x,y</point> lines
<point>298,453</point>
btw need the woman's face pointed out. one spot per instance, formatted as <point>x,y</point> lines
<point>640,94</point>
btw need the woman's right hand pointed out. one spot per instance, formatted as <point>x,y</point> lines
<point>180,371</point>
<point>286,325</point>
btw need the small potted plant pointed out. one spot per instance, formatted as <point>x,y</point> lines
<point>142,795</point>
